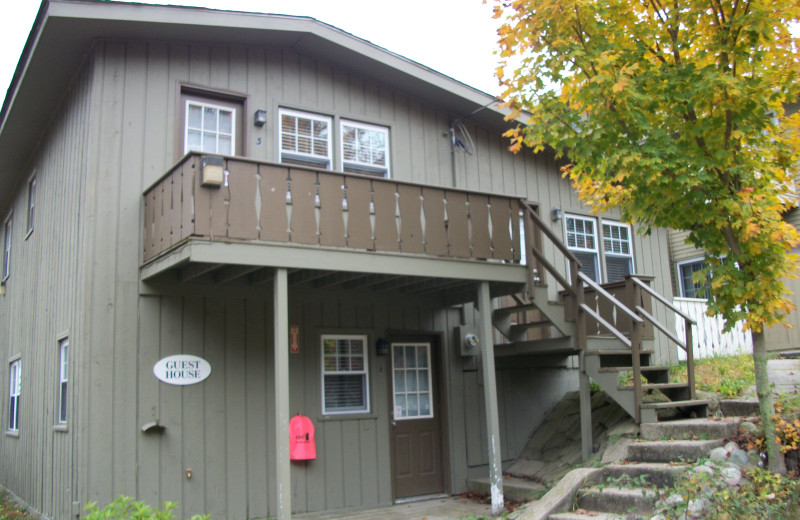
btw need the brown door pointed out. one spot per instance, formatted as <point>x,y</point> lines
<point>416,424</point>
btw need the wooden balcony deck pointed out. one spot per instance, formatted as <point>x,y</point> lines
<point>277,215</point>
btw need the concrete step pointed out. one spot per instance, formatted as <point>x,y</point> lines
<point>653,473</point>
<point>690,429</point>
<point>738,407</point>
<point>614,499</point>
<point>513,488</point>
<point>671,451</point>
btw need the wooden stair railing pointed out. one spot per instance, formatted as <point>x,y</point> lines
<point>686,345</point>
<point>540,269</point>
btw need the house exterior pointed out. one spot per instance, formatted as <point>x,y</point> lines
<point>297,208</point>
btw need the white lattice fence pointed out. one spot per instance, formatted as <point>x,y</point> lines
<point>707,336</point>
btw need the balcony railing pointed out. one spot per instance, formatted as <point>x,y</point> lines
<point>276,203</point>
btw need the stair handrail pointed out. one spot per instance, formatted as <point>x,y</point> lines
<point>634,343</point>
<point>686,345</point>
<point>574,263</point>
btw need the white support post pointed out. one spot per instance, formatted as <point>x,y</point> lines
<point>490,399</point>
<point>281,316</point>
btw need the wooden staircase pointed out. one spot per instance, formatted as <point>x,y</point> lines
<point>610,328</point>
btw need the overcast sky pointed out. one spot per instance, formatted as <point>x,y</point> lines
<point>454,37</point>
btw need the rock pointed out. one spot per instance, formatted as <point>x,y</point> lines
<point>674,500</point>
<point>731,476</point>
<point>731,446</point>
<point>696,507</point>
<point>739,457</point>
<point>747,428</point>
<point>718,454</point>
<point>703,469</point>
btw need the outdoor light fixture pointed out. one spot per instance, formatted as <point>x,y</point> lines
<point>260,118</point>
<point>381,347</point>
<point>556,214</point>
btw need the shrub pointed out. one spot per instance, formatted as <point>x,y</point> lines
<point>124,508</point>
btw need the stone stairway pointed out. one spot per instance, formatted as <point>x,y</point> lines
<point>631,489</point>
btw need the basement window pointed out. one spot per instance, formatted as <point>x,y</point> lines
<point>14,387</point>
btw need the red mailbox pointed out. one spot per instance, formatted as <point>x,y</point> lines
<point>301,439</point>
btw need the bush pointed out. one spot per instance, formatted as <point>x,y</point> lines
<point>124,508</point>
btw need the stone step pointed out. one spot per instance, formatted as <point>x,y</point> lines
<point>513,488</point>
<point>583,514</point>
<point>670,451</point>
<point>653,473</point>
<point>614,499</point>
<point>738,407</point>
<point>689,429</point>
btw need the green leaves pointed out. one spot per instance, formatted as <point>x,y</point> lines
<point>676,115</point>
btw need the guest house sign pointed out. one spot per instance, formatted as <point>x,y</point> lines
<point>182,369</point>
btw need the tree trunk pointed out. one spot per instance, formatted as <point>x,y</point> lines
<point>766,404</point>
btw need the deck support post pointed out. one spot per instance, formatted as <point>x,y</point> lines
<point>490,399</point>
<point>585,399</point>
<point>281,343</point>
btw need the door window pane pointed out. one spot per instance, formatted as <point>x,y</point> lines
<point>412,381</point>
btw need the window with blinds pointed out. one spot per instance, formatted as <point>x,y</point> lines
<point>617,250</point>
<point>345,374</point>
<point>305,139</point>
<point>582,242</point>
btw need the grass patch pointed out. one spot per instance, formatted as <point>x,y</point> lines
<point>727,376</point>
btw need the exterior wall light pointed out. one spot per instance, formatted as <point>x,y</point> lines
<point>382,347</point>
<point>260,118</point>
<point>556,214</point>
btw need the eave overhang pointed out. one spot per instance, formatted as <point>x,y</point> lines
<point>65,30</point>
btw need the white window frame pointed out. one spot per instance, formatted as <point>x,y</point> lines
<point>679,266</point>
<point>364,373</point>
<point>606,253</point>
<point>405,392</point>
<point>310,159</point>
<point>31,204</point>
<point>7,237</point>
<point>14,391</point>
<point>364,167</point>
<point>203,105</point>
<point>63,379</point>
<point>595,251</point>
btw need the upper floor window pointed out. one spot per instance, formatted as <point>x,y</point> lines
<point>305,139</point>
<point>582,242</point>
<point>688,287</point>
<point>210,128</point>
<point>617,250</point>
<point>345,372</point>
<point>6,248</point>
<point>14,387</point>
<point>212,122</point>
<point>31,202</point>
<point>365,148</point>
<point>63,378</point>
